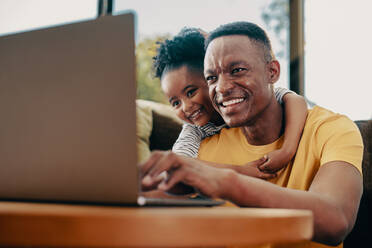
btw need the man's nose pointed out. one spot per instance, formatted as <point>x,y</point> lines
<point>224,85</point>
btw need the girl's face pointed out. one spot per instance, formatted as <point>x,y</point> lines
<point>187,92</point>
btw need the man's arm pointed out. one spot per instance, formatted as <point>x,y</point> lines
<point>333,197</point>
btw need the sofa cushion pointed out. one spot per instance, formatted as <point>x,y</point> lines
<point>361,234</point>
<point>144,128</point>
<point>166,126</point>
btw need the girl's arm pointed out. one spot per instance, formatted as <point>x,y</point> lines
<point>295,113</point>
<point>188,141</point>
<point>248,169</point>
<point>188,144</point>
<point>191,136</point>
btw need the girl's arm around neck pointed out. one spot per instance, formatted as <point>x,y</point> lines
<point>295,113</point>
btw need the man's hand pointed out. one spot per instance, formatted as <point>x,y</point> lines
<point>193,172</point>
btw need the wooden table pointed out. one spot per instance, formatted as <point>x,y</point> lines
<point>59,225</point>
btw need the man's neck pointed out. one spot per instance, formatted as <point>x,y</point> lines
<point>267,127</point>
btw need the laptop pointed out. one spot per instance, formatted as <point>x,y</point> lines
<point>67,107</point>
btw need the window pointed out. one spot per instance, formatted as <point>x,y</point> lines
<point>23,15</point>
<point>338,56</point>
<point>156,20</point>
<point>165,18</point>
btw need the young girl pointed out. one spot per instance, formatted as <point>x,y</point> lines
<point>179,65</point>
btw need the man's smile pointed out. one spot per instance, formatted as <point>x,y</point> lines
<point>231,102</point>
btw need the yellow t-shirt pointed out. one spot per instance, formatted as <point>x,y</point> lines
<point>326,137</point>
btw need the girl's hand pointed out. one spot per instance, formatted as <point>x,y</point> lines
<point>252,169</point>
<point>275,161</point>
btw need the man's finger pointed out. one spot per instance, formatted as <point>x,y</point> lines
<point>146,166</point>
<point>172,180</point>
<point>150,184</point>
<point>167,162</point>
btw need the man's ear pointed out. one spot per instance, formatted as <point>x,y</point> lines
<point>274,70</point>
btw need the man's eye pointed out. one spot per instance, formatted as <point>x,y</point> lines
<point>236,70</point>
<point>210,79</point>
<point>190,93</point>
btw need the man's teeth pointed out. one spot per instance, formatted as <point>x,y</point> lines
<point>225,104</point>
<point>195,113</point>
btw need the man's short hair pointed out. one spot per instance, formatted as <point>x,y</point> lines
<point>253,31</point>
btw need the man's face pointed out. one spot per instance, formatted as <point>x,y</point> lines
<point>239,79</point>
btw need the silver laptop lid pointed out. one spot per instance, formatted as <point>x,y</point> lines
<point>67,107</point>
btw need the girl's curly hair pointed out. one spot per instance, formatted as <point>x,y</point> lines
<point>186,48</point>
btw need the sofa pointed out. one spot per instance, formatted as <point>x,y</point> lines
<point>158,128</point>
<point>361,235</point>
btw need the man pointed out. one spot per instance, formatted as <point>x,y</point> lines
<point>325,174</point>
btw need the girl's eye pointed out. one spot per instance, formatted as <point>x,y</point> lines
<point>190,93</point>
<point>175,103</point>
<point>236,70</point>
